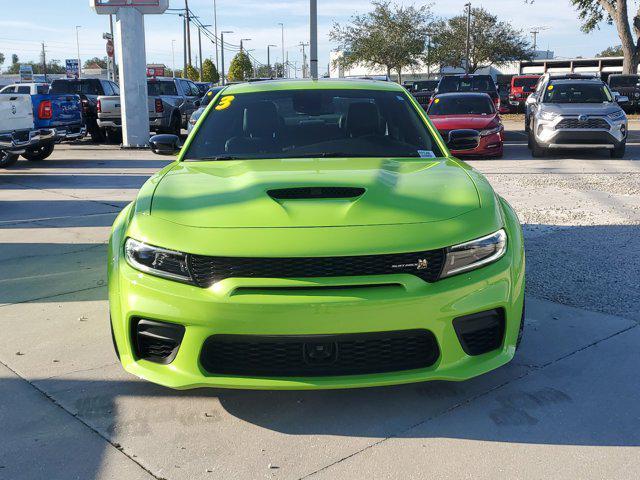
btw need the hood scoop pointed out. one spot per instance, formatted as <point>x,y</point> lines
<point>312,193</point>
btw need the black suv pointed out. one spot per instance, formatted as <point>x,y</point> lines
<point>627,86</point>
<point>470,83</point>
<point>89,89</point>
<point>423,90</point>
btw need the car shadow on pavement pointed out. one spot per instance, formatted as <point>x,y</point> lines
<point>573,382</point>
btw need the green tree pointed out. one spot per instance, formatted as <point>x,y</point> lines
<point>14,59</point>
<point>192,73</point>
<point>613,51</point>
<point>2,58</point>
<point>614,12</point>
<point>264,71</point>
<point>101,62</point>
<point>53,66</point>
<point>491,41</point>
<point>209,72</point>
<point>240,68</point>
<point>391,36</point>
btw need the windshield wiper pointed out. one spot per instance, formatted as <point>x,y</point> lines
<point>222,158</point>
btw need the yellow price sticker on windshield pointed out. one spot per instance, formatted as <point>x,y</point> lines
<point>209,94</point>
<point>550,87</point>
<point>437,100</point>
<point>225,102</point>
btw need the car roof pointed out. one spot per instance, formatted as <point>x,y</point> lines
<point>595,81</point>
<point>464,94</point>
<point>307,84</point>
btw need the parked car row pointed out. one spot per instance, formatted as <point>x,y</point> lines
<point>52,117</point>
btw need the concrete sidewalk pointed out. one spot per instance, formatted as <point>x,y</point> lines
<point>566,407</point>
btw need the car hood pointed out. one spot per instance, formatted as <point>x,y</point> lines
<point>452,122</point>
<point>250,193</point>
<point>580,108</point>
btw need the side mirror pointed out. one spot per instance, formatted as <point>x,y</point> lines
<point>165,144</point>
<point>620,98</point>
<point>463,139</point>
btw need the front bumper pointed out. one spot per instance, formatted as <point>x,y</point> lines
<point>549,134</point>
<point>244,306</point>
<point>17,141</point>
<point>489,146</point>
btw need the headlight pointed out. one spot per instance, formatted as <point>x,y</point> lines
<point>491,131</point>
<point>474,254</point>
<point>619,115</point>
<point>157,261</point>
<point>548,115</point>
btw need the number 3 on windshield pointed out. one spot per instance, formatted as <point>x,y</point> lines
<point>225,102</point>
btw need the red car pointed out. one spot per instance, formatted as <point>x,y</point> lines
<point>469,111</point>
<point>521,87</point>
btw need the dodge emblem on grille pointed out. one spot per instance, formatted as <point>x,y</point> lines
<point>422,264</point>
<point>583,118</point>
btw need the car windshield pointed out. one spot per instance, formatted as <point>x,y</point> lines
<point>525,82</point>
<point>462,105</point>
<point>483,83</point>
<point>77,87</point>
<point>155,88</point>
<point>425,85</point>
<point>313,123</point>
<point>624,81</point>
<point>578,92</point>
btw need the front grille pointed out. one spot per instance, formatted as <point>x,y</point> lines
<point>590,123</point>
<point>319,355</point>
<point>480,332</point>
<point>422,99</point>
<point>208,270</point>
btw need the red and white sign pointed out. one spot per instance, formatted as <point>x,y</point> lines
<point>110,48</point>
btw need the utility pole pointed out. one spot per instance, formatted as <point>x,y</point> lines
<point>200,50</point>
<point>287,63</point>
<point>188,20</point>
<point>269,58</point>
<point>78,27</point>
<point>215,30</point>
<point>44,62</point>
<point>282,42</point>
<point>429,54</point>
<point>468,47</point>
<point>313,38</point>
<point>224,81</point>
<point>184,45</point>
<point>113,58</point>
<point>173,57</point>
<point>304,59</point>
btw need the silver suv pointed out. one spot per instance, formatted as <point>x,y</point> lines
<point>576,113</point>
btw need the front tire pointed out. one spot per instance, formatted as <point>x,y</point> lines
<point>8,159</point>
<point>618,152</point>
<point>536,150</point>
<point>39,153</point>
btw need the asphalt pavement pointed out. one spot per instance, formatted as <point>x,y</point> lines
<point>566,407</point>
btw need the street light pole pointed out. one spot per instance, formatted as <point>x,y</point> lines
<point>269,57</point>
<point>242,40</point>
<point>78,27</point>
<point>313,38</point>
<point>215,30</point>
<point>173,57</point>
<point>468,47</point>
<point>224,81</point>
<point>282,42</point>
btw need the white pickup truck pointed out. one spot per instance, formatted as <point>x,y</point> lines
<point>17,130</point>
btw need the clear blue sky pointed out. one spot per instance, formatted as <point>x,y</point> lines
<point>28,22</point>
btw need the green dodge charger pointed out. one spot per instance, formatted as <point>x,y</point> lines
<point>315,234</point>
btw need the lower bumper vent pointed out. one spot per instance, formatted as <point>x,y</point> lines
<point>319,355</point>
<point>156,341</point>
<point>481,332</point>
